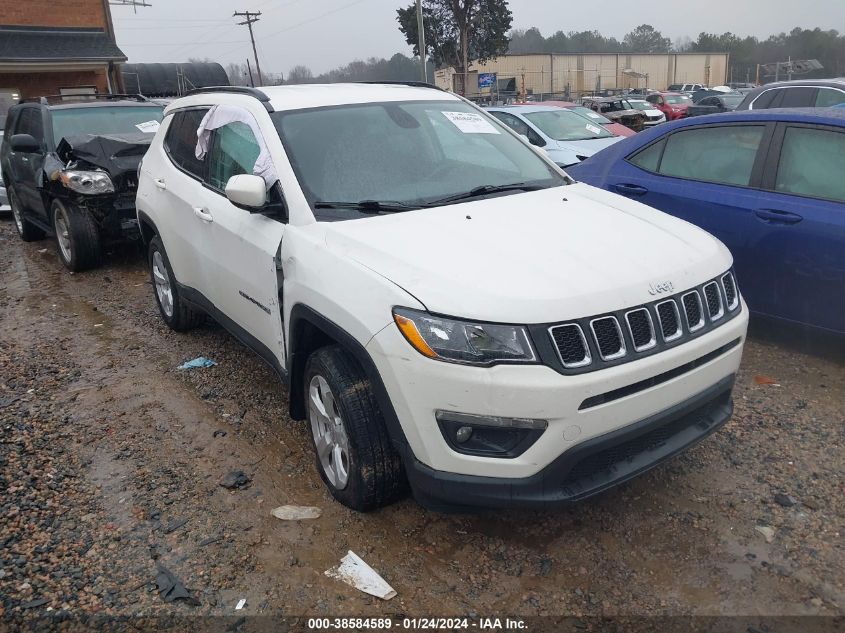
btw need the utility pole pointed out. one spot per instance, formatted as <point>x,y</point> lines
<point>250,18</point>
<point>421,31</point>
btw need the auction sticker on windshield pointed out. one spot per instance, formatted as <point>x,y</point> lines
<point>594,129</point>
<point>471,123</point>
<point>150,127</point>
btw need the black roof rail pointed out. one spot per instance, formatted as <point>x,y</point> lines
<point>242,90</point>
<point>53,99</point>
<point>412,84</point>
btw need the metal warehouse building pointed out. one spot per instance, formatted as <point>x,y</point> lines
<point>574,73</point>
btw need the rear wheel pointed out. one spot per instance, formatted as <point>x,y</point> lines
<point>26,230</point>
<point>355,456</point>
<point>174,311</point>
<point>77,236</point>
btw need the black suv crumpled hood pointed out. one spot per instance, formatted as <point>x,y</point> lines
<point>114,153</point>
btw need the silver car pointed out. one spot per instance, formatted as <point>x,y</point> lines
<point>4,197</point>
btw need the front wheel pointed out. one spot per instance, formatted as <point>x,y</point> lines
<point>77,236</point>
<point>355,456</point>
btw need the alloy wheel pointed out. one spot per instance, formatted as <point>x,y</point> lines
<point>62,226</point>
<point>162,283</point>
<point>16,211</point>
<point>329,433</point>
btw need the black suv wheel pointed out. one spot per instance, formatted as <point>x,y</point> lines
<point>27,231</point>
<point>77,237</point>
<point>355,457</point>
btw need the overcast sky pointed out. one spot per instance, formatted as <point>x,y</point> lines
<point>323,34</point>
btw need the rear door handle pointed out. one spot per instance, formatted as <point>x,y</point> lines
<point>203,215</point>
<point>630,190</point>
<point>773,216</point>
<point>160,183</point>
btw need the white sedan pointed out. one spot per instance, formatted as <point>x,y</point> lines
<point>566,136</point>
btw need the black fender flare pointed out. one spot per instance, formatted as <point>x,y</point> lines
<point>303,321</point>
<point>145,220</point>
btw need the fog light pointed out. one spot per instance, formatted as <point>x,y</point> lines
<point>489,436</point>
<point>463,434</point>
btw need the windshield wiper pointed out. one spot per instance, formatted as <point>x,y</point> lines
<point>366,206</point>
<point>484,190</point>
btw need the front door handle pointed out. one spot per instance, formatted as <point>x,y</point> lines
<point>627,189</point>
<point>160,183</point>
<point>203,215</point>
<point>774,216</point>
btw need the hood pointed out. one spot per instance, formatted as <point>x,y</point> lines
<point>535,257</point>
<point>114,153</point>
<point>568,152</point>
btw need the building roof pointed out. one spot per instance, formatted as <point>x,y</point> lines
<point>36,44</point>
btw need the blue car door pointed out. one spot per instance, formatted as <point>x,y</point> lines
<point>804,208</point>
<point>708,175</point>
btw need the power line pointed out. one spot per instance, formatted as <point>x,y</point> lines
<point>249,19</point>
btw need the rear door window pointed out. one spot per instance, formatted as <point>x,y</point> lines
<point>802,97</point>
<point>812,162</point>
<point>724,154</point>
<point>181,141</point>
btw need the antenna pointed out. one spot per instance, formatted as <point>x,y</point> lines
<point>130,3</point>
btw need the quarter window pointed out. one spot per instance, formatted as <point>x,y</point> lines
<point>649,158</point>
<point>234,151</point>
<point>828,97</point>
<point>812,162</point>
<point>181,141</point>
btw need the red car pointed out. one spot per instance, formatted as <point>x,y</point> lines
<point>614,128</point>
<point>673,104</point>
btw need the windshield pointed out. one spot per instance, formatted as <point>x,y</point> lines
<point>641,105</point>
<point>405,153</point>
<point>105,120</point>
<point>732,100</point>
<point>678,99</point>
<point>595,116</point>
<point>565,125</point>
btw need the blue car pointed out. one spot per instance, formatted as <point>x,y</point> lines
<point>769,183</point>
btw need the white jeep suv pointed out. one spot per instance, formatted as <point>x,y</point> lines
<point>449,310</point>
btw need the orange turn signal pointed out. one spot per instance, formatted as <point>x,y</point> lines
<point>410,331</point>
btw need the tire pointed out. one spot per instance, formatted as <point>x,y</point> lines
<point>358,440</point>
<point>173,310</point>
<point>77,236</point>
<point>27,231</point>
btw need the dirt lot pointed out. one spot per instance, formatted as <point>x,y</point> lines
<point>110,462</point>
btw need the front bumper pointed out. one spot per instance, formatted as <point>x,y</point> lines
<point>587,469</point>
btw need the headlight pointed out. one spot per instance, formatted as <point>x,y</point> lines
<point>90,182</point>
<point>464,342</point>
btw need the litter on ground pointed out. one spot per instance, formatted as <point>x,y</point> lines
<point>355,572</point>
<point>296,513</point>
<point>198,363</point>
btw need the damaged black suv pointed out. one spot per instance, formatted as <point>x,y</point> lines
<point>71,169</point>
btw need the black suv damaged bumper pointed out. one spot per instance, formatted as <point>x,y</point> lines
<point>588,468</point>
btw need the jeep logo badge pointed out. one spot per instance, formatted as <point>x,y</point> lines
<point>660,288</point>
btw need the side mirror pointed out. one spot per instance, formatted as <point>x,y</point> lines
<point>24,143</point>
<point>246,191</point>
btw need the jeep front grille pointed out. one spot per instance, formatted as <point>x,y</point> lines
<point>592,343</point>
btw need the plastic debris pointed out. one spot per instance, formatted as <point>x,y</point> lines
<point>171,588</point>
<point>235,479</point>
<point>767,532</point>
<point>355,572</point>
<point>198,363</point>
<point>241,604</point>
<point>765,380</point>
<point>296,513</point>
<point>219,433</point>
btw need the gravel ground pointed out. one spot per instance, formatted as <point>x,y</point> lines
<point>111,459</point>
